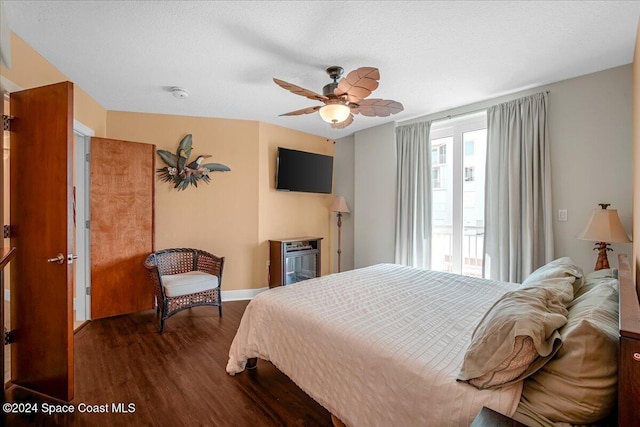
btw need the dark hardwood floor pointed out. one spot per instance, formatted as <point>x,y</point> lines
<point>174,379</point>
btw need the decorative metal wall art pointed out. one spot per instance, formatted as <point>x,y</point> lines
<point>182,173</point>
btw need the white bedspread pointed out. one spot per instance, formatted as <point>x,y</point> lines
<point>378,346</point>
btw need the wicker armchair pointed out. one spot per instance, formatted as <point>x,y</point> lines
<point>184,278</point>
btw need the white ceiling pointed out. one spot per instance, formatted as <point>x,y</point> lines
<point>432,55</point>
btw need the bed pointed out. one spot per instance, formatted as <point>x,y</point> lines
<point>384,345</point>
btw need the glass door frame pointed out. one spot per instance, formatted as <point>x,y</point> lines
<point>455,128</point>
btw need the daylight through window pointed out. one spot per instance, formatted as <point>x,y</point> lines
<point>458,156</point>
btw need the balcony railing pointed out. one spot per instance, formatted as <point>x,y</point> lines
<point>472,250</point>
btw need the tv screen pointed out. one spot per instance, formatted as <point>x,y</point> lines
<point>303,171</point>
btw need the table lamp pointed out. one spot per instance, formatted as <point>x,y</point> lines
<point>604,228</point>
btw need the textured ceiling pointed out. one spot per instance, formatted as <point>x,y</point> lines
<point>431,55</point>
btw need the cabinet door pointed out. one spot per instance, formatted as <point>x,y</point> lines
<point>301,266</point>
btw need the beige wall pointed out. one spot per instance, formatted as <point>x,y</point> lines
<point>29,69</point>
<point>221,217</point>
<point>239,211</point>
<point>636,156</point>
<point>289,214</point>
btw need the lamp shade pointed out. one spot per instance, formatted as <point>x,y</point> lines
<point>339,205</point>
<point>604,226</point>
<point>334,113</point>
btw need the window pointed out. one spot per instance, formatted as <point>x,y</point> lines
<point>436,182</point>
<point>439,155</point>
<point>469,148</point>
<point>457,198</point>
<point>468,174</point>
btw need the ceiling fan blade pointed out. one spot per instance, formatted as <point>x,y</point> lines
<point>379,107</point>
<point>300,90</point>
<point>358,83</point>
<point>307,110</point>
<point>351,98</point>
<point>344,123</point>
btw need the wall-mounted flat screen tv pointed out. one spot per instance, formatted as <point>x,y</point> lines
<point>303,171</point>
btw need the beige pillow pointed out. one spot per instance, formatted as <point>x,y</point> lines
<point>591,280</point>
<point>561,267</point>
<point>605,273</point>
<point>518,361</point>
<point>579,385</point>
<point>496,355</point>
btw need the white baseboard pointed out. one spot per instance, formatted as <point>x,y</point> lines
<point>239,295</point>
<point>242,294</point>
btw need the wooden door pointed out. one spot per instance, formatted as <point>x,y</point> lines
<point>41,229</point>
<point>121,211</point>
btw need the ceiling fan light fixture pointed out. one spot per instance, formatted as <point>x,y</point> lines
<point>334,113</point>
<point>342,99</point>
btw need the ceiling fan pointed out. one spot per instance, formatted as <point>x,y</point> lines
<point>342,99</point>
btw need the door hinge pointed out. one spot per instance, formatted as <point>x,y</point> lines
<point>87,157</point>
<point>88,289</point>
<point>9,337</point>
<point>6,122</point>
<point>87,224</point>
<point>6,231</point>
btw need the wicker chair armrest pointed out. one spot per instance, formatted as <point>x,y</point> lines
<point>149,264</point>
<point>209,263</point>
<point>155,276</point>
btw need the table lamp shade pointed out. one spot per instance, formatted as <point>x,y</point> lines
<point>339,205</point>
<point>604,226</point>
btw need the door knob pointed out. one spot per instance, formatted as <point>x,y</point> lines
<point>59,259</point>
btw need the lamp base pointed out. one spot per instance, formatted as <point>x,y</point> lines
<point>602,262</point>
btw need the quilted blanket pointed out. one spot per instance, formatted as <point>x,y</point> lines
<point>377,346</point>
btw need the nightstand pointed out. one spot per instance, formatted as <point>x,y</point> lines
<point>490,418</point>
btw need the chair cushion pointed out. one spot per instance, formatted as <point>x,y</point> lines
<point>176,285</point>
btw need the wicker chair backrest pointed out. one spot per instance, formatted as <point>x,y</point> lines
<point>176,261</point>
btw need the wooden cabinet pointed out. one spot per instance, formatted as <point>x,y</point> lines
<point>293,260</point>
<point>490,418</point>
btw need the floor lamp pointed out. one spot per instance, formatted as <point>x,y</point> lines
<point>339,206</point>
<point>604,226</point>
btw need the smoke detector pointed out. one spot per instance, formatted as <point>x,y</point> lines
<point>178,92</point>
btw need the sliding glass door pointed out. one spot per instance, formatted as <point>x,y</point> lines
<point>458,156</point>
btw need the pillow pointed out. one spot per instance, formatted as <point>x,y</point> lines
<point>517,335</point>
<point>606,275</point>
<point>579,385</point>
<point>561,267</point>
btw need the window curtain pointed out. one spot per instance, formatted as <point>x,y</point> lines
<point>518,215</point>
<point>413,205</point>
